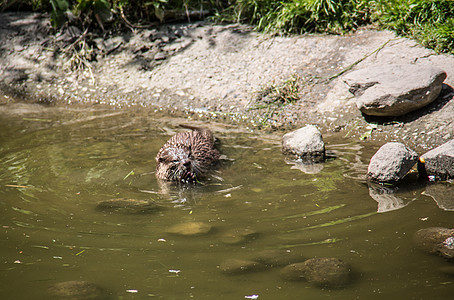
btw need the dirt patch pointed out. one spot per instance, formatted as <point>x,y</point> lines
<point>221,72</point>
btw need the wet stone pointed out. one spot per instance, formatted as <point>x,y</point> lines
<point>391,163</point>
<point>238,236</point>
<point>440,161</point>
<point>128,206</point>
<point>190,229</point>
<point>278,257</point>
<point>326,272</point>
<point>238,266</point>
<point>306,143</point>
<point>78,290</point>
<point>436,240</point>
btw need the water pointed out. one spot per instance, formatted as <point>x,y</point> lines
<point>58,163</point>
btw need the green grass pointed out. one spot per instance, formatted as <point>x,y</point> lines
<point>429,22</point>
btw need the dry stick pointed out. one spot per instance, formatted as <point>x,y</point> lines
<point>359,61</point>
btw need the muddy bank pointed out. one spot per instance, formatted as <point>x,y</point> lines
<point>227,72</point>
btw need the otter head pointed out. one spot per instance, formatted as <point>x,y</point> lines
<point>177,164</point>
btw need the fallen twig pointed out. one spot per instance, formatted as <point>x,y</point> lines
<point>359,61</point>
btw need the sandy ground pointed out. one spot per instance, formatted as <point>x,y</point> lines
<point>218,72</point>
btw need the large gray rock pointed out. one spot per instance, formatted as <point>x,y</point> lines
<point>391,162</point>
<point>394,90</point>
<point>440,161</point>
<point>306,143</point>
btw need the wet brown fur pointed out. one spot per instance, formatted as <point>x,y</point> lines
<point>187,156</point>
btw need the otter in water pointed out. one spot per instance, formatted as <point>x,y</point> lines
<point>187,156</point>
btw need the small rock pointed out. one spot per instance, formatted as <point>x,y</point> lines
<point>436,240</point>
<point>190,229</point>
<point>306,142</point>
<point>238,266</point>
<point>440,161</point>
<point>278,257</point>
<point>77,290</point>
<point>128,206</point>
<point>394,90</point>
<point>160,56</point>
<point>238,236</point>
<point>331,272</point>
<point>391,163</point>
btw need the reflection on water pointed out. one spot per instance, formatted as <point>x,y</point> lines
<point>59,164</point>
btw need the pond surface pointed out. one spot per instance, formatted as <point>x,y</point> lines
<point>58,163</point>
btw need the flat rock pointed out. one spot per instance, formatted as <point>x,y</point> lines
<point>238,236</point>
<point>306,143</point>
<point>394,90</point>
<point>239,266</point>
<point>436,240</point>
<point>278,257</point>
<point>440,161</point>
<point>391,163</point>
<point>77,290</point>
<point>190,228</point>
<point>329,272</point>
<point>128,206</point>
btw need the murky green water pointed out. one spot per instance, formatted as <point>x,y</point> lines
<point>57,164</point>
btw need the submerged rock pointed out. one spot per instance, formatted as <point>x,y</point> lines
<point>238,236</point>
<point>238,266</point>
<point>278,257</point>
<point>440,161</point>
<point>128,206</point>
<point>436,240</point>
<point>294,272</point>
<point>306,143</point>
<point>329,272</point>
<point>190,229</point>
<point>391,163</point>
<point>78,290</point>
<point>394,90</point>
<point>449,270</point>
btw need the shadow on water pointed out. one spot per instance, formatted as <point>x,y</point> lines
<point>59,164</point>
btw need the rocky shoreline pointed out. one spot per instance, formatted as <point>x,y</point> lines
<point>223,72</point>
